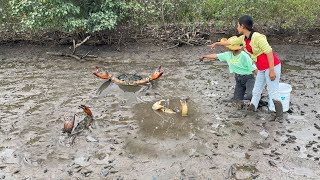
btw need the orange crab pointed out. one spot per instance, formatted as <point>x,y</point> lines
<point>103,74</point>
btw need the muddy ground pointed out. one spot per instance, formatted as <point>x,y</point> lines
<point>130,140</point>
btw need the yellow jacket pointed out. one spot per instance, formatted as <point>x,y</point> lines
<point>258,43</point>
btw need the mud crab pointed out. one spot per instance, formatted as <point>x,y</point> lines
<point>83,124</point>
<point>128,79</point>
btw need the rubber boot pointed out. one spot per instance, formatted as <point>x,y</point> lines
<point>279,110</point>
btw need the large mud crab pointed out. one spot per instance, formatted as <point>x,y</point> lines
<point>128,79</point>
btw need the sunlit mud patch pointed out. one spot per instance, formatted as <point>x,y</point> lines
<point>126,93</point>
<point>159,124</point>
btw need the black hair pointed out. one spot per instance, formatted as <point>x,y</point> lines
<point>247,22</point>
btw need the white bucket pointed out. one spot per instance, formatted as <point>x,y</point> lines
<point>284,90</point>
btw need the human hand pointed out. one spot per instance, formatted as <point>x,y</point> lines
<point>255,72</point>
<point>202,57</point>
<point>209,56</point>
<point>212,46</point>
<point>272,75</point>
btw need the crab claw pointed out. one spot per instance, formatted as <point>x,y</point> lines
<point>157,105</point>
<point>157,74</point>
<point>100,74</point>
<point>184,107</point>
<point>65,116</point>
<point>86,110</point>
<point>68,125</point>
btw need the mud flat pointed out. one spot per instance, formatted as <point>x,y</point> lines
<point>130,140</point>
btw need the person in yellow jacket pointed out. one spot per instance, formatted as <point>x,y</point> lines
<point>268,64</point>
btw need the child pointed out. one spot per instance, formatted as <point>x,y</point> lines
<point>242,65</point>
<point>268,64</point>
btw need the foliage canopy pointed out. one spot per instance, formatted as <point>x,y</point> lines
<point>67,15</point>
<point>101,15</point>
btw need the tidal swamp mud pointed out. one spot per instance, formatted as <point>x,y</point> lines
<point>130,140</point>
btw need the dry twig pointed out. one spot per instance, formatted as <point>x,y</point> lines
<point>73,54</point>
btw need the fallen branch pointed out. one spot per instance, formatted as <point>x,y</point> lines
<point>85,55</point>
<point>63,54</point>
<point>79,44</point>
<point>73,54</point>
<point>183,42</point>
<point>75,46</point>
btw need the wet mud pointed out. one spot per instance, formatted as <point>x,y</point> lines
<point>129,140</point>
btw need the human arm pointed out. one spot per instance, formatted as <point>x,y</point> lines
<point>231,41</point>
<point>250,64</point>
<point>272,74</point>
<point>221,56</point>
<point>210,56</point>
<point>266,49</point>
<point>223,43</point>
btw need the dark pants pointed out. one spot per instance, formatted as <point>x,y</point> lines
<point>244,85</point>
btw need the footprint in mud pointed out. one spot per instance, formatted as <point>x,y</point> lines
<point>237,171</point>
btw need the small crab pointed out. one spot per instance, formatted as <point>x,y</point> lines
<point>85,123</point>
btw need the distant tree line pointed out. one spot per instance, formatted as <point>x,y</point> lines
<point>91,16</point>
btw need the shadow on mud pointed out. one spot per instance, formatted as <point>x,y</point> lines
<point>127,93</point>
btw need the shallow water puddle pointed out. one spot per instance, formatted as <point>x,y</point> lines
<point>166,135</point>
<point>164,125</point>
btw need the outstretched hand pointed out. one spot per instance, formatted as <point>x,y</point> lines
<point>210,56</point>
<point>212,46</point>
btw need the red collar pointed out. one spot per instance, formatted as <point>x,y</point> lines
<point>250,36</point>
